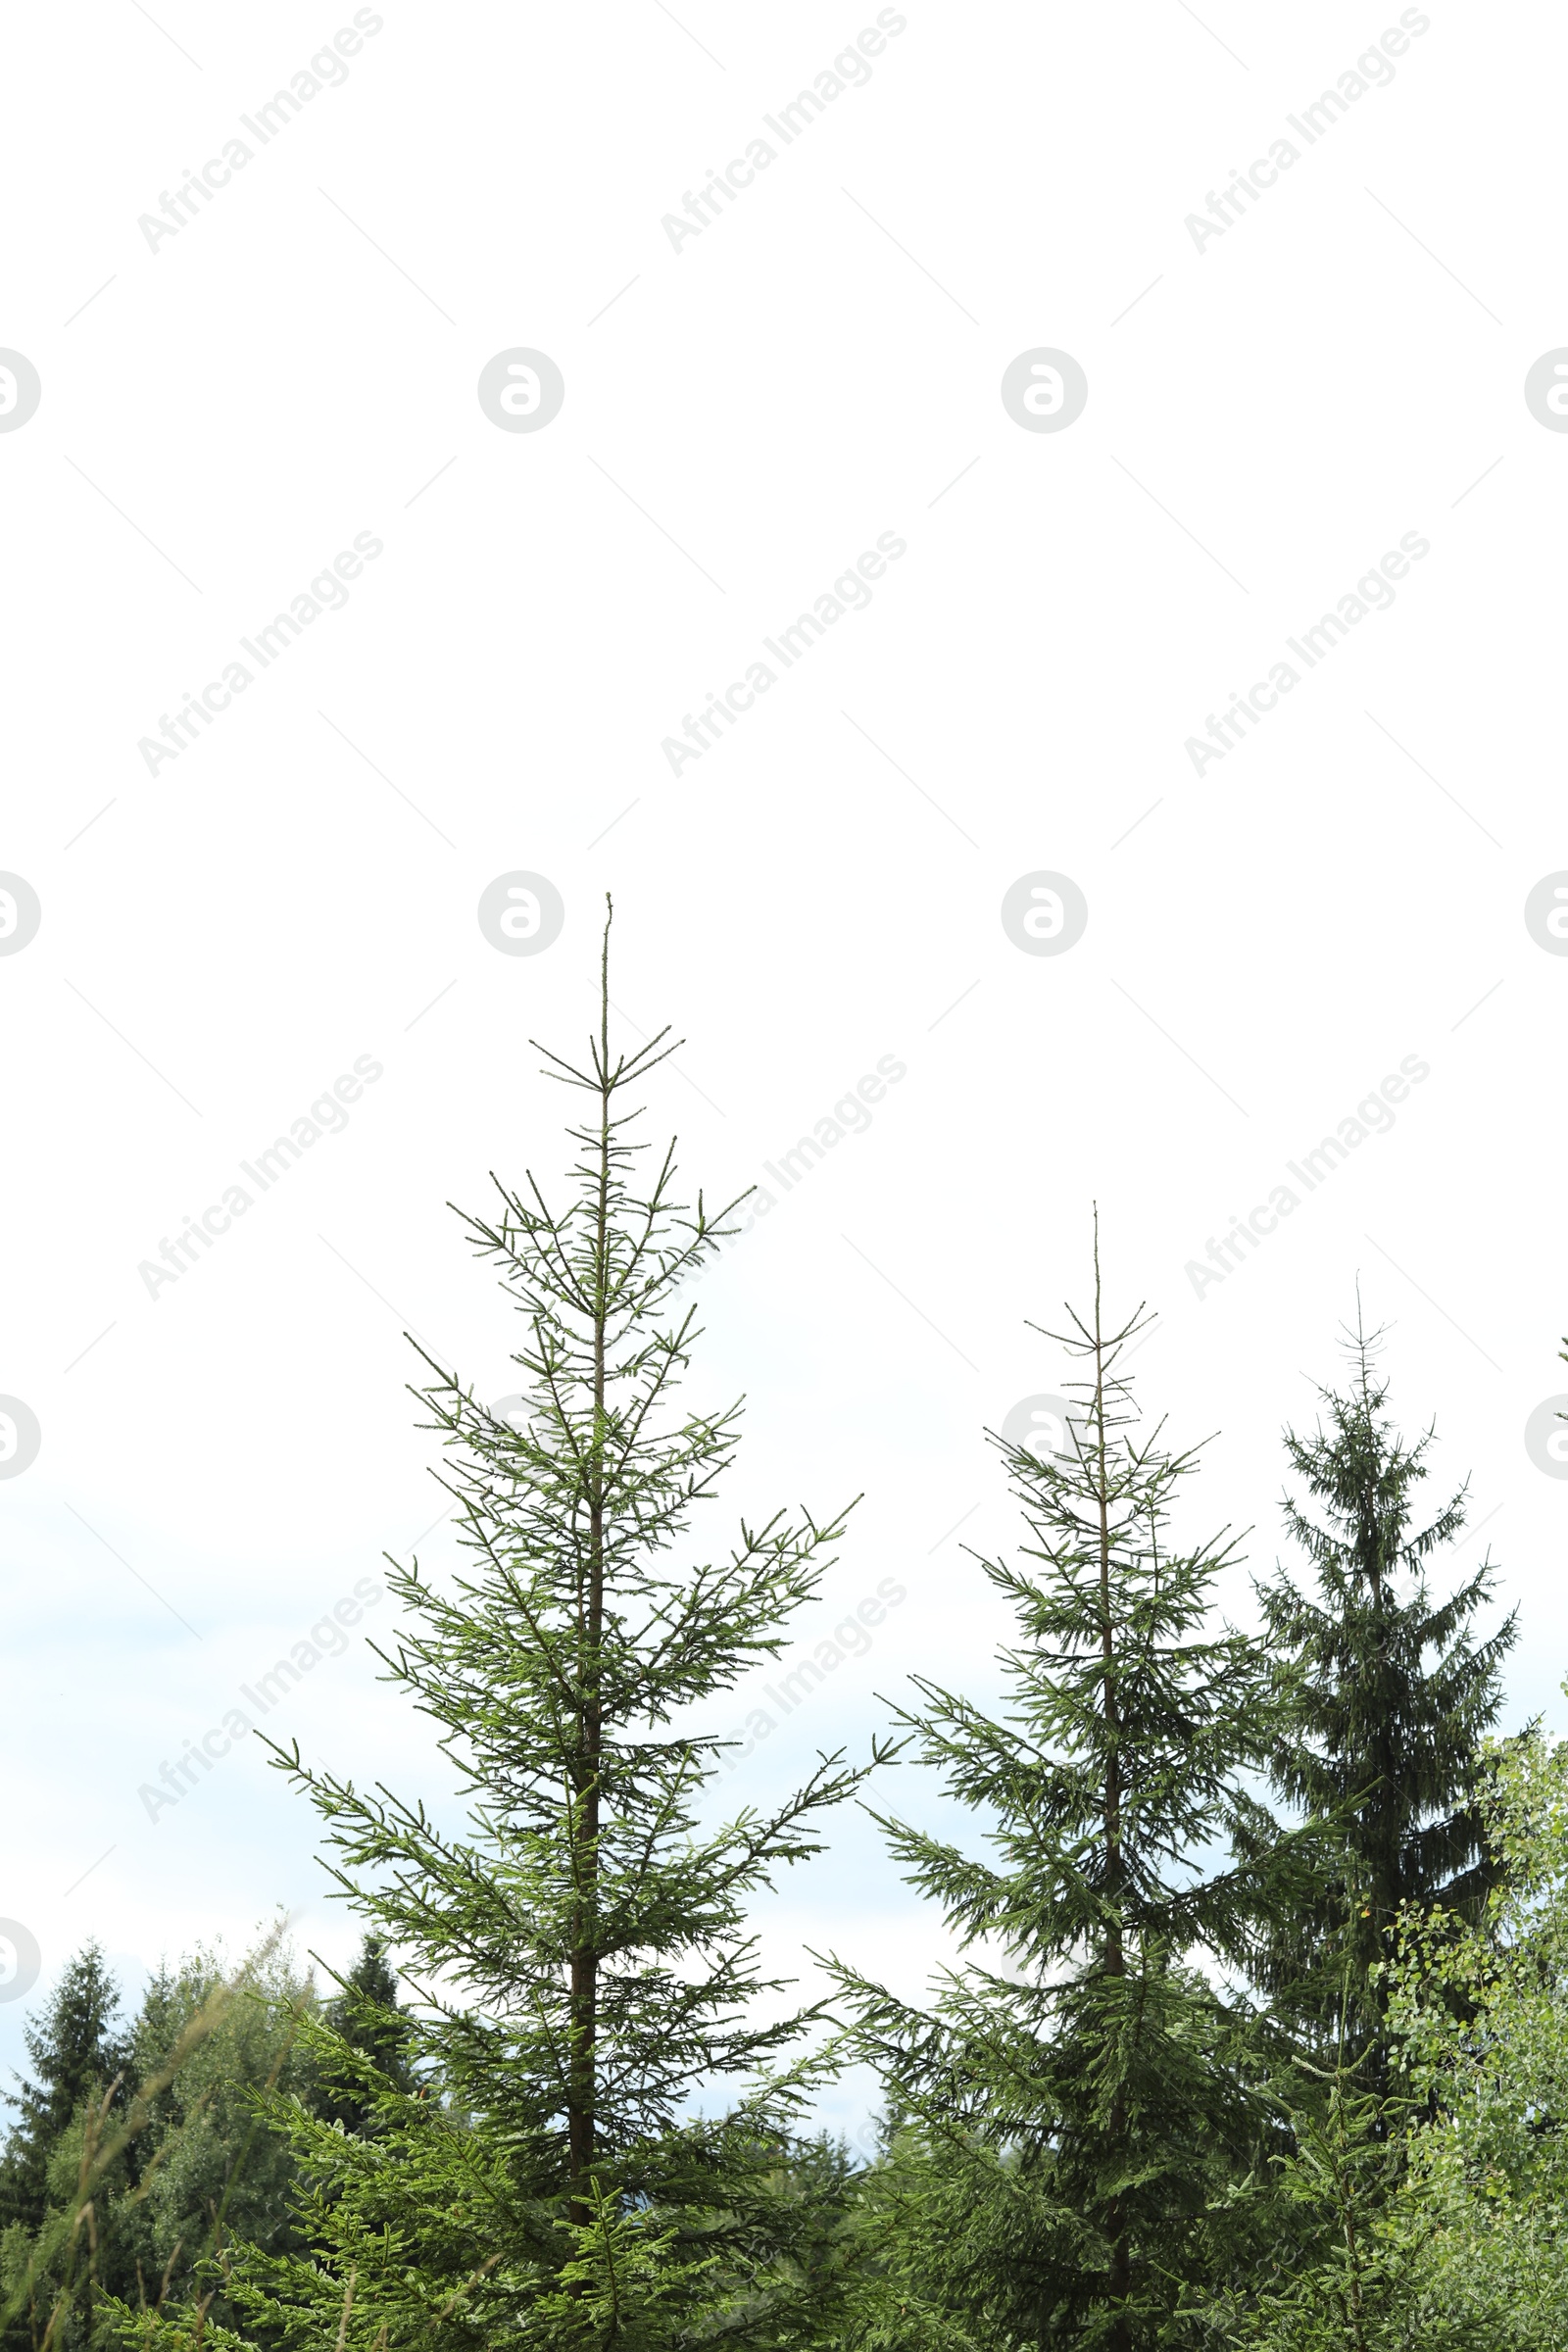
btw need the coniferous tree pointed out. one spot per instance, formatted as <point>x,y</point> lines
<point>1392,1695</point>
<point>1342,2278</point>
<point>367,2019</point>
<point>78,2052</point>
<point>1078,2102</point>
<point>574,2167</point>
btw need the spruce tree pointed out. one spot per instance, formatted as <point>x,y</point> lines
<point>367,2019</point>
<point>597,2148</point>
<point>1078,2101</point>
<point>78,2053</point>
<point>1392,1695</point>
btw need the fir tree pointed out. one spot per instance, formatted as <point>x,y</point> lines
<point>1393,1696</point>
<point>1077,2103</point>
<point>572,2168</point>
<point>367,2019</point>
<point>76,2053</point>
<point>1346,2277</point>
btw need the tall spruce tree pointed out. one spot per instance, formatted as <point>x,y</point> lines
<point>1075,2104</point>
<point>597,2148</point>
<point>1394,1694</point>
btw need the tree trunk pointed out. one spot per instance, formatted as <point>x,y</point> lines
<point>584,1967</point>
<point>1113,1959</point>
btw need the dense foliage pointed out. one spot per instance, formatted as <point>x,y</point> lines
<point>1394,1697</point>
<point>138,2151</point>
<point>1256,2035</point>
<point>1083,2096</point>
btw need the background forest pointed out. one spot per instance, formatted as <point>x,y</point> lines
<point>1258,2033</point>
